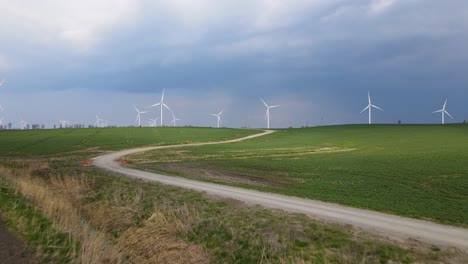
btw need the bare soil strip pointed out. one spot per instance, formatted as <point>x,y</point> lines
<point>384,224</point>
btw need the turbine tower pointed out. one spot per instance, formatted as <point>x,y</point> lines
<point>138,118</point>
<point>369,106</point>
<point>219,117</point>
<point>267,116</point>
<point>443,111</point>
<point>161,103</point>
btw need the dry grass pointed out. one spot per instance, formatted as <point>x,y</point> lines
<point>60,198</point>
<point>157,242</point>
<point>56,198</point>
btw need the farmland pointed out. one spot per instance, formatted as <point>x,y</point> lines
<point>417,171</point>
<point>67,212</point>
<point>52,141</point>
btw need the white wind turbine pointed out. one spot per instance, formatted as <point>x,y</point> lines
<point>1,121</point>
<point>161,103</point>
<point>138,118</point>
<point>443,111</point>
<point>218,117</point>
<point>24,124</point>
<point>174,119</point>
<point>98,121</point>
<point>267,115</point>
<point>369,106</point>
<point>153,122</point>
<point>63,123</point>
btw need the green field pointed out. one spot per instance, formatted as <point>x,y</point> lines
<point>418,171</point>
<point>53,141</point>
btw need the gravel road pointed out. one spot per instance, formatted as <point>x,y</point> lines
<point>384,224</point>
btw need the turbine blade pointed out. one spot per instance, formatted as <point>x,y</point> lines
<point>264,102</point>
<point>154,105</point>
<point>377,107</point>
<point>136,109</point>
<point>365,109</point>
<point>445,103</point>
<point>166,106</point>
<point>448,114</point>
<point>214,114</point>
<point>162,97</point>
<point>368,96</point>
<point>221,112</point>
<point>274,106</point>
<point>438,111</point>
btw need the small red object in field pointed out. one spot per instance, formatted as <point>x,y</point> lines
<point>122,161</point>
<point>85,163</point>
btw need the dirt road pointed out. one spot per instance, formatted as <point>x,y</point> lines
<point>386,224</point>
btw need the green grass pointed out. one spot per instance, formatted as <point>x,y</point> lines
<point>51,245</point>
<point>417,171</point>
<point>53,141</point>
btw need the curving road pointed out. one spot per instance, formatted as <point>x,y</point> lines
<point>386,224</point>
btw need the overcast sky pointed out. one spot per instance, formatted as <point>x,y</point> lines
<point>316,59</point>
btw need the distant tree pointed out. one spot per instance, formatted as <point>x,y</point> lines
<point>399,122</point>
<point>9,125</point>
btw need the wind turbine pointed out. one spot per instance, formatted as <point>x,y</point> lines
<point>369,106</point>
<point>138,118</point>
<point>267,116</point>
<point>153,122</point>
<point>1,121</point>
<point>218,116</point>
<point>161,103</point>
<point>23,124</point>
<point>63,123</point>
<point>174,119</point>
<point>98,121</point>
<point>443,111</point>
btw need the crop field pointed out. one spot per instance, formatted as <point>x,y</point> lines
<point>418,171</point>
<point>51,141</point>
<point>66,212</point>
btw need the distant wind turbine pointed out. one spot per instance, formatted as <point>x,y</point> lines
<point>369,106</point>
<point>153,122</point>
<point>161,103</point>
<point>23,124</point>
<point>443,111</point>
<point>174,119</point>
<point>218,117</point>
<point>1,121</point>
<point>267,115</point>
<point>138,118</point>
<point>63,123</point>
<point>98,121</point>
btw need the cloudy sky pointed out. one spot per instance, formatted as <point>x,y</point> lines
<point>317,59</point>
